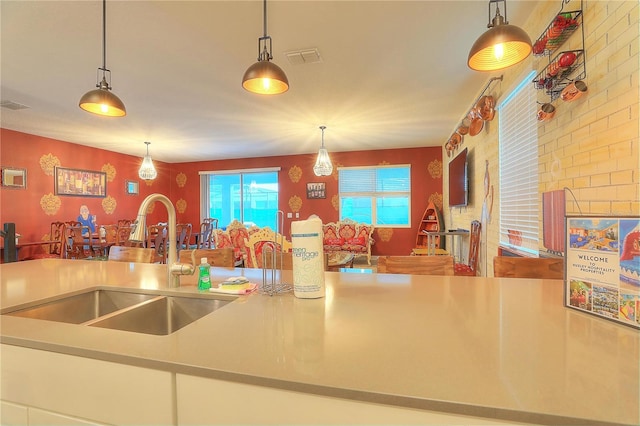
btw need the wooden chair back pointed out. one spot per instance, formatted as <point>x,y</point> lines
<point>157,239</point>
<point>124,233</point>
<point>528,267</point>
<point>78,242</point>
<point>183,232</point>
<point>261,239</point>
<point>132,254</point>
<point>416,265</point>
<point>471,267</point>
<point>222,257</point>
<point>57,234</point>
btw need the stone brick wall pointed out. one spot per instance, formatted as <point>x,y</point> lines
<point>591,145</point>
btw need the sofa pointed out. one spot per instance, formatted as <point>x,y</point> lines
<point>348,235</point>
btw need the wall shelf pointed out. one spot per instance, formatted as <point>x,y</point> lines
<point>554,78</point>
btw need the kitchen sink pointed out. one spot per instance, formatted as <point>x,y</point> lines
<point>149,313</point>
<point>161,315</point>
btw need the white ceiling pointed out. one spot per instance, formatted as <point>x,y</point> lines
<point>393,73</point>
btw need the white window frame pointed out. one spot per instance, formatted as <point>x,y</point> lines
<point>373,197</point>
<point>518,156</point>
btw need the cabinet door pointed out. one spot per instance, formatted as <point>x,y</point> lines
<point>86,388</point>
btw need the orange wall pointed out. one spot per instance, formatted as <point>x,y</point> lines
<point>33,209</point>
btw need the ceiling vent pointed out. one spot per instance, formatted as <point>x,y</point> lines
<point>12,105</point>
<point>304,56</point>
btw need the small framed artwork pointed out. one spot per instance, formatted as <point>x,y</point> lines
<point>80,183</point>
<point>131,187</point>
<point>13,177</point>
<point>316,190</point>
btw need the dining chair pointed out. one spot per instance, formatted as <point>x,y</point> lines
<point>416,265</point>
<point>470,268</point>
<point>124,233</point>
<point>259,240</point>
<point>56,246</point>
<point>78,242</point>
<point>157,239</point>
<point>183,231</point>
<point>221,257</point>
<point>132,254</point>
<point>528,267</point>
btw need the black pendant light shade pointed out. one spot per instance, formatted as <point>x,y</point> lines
<point>102,101</point>
<point>264,77</point>
<point>501,46</point>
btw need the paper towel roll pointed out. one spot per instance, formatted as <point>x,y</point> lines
<point>308,258</point>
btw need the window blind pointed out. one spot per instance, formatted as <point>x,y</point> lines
<point>518,139</point>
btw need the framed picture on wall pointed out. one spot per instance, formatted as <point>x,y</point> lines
<point>316,190</point>
<point>13,177</point>
<point>131,187</point>
<point>80,183</point>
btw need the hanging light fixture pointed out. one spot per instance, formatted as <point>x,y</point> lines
<point>147,170</point>
<point>501,46</point>
<point>101,101</point>
<point>264,77</point>
<point>323,166</point>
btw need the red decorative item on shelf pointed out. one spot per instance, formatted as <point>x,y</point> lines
<point>567,59</point>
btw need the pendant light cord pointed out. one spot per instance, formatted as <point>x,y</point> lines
<point>104,36</point>
<point>264,17</point>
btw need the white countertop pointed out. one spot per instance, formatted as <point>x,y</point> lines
<point>488,347</point>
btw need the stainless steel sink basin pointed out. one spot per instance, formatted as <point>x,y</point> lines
<point>161,315</point>
<point>149,313</point>
<point>83,307</point>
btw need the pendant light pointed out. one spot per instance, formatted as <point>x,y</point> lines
<point>323,166</point>
<point>101,101</point>
<point>501,46</point>
<point>264,77</point>
<point>147,170</point>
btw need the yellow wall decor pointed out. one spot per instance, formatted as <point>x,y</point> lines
<point>181,205</point>
<point>109,204</point>
<point>435,169</point>
<point>110,171</point>
<point>335,201</point>
<point>50,204</point>
<point>181,179</point>
<point>295,203</point>
<point>295,173</point>
<point>436,199</point>
<point>385,234</point>
<point>48,162</point>
<point>148,182</point>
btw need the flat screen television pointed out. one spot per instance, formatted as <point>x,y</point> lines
<point>459,180</point>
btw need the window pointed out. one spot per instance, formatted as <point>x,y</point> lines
<point>518,134</point>
<point>379,195</point>
<point>250,196</point>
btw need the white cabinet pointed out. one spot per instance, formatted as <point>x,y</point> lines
<point>216,402</point>
<point>82,388</point>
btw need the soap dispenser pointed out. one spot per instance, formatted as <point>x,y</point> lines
<point>204,279</point>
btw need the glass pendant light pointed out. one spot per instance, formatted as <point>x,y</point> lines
<point>147,170</point>
<point>323,166</point>
<point>264,77</point>
<point>501,46</point>
<point>101,101</point>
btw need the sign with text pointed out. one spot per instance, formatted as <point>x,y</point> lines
<point>603,267</point>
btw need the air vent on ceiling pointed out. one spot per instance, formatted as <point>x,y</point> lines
<point>304,56</point>
<point>12,105</point>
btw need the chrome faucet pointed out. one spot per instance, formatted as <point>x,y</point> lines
<point>174,269</point>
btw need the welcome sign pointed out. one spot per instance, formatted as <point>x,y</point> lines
<point>603,267</point>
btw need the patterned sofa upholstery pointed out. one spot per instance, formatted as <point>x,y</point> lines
<point>348,235</point>
<point>234,236</point>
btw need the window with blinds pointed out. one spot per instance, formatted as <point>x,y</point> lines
<point>379,195</point>
<point>518,139</point>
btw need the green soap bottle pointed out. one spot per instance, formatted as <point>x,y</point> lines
<point>204,279</point>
